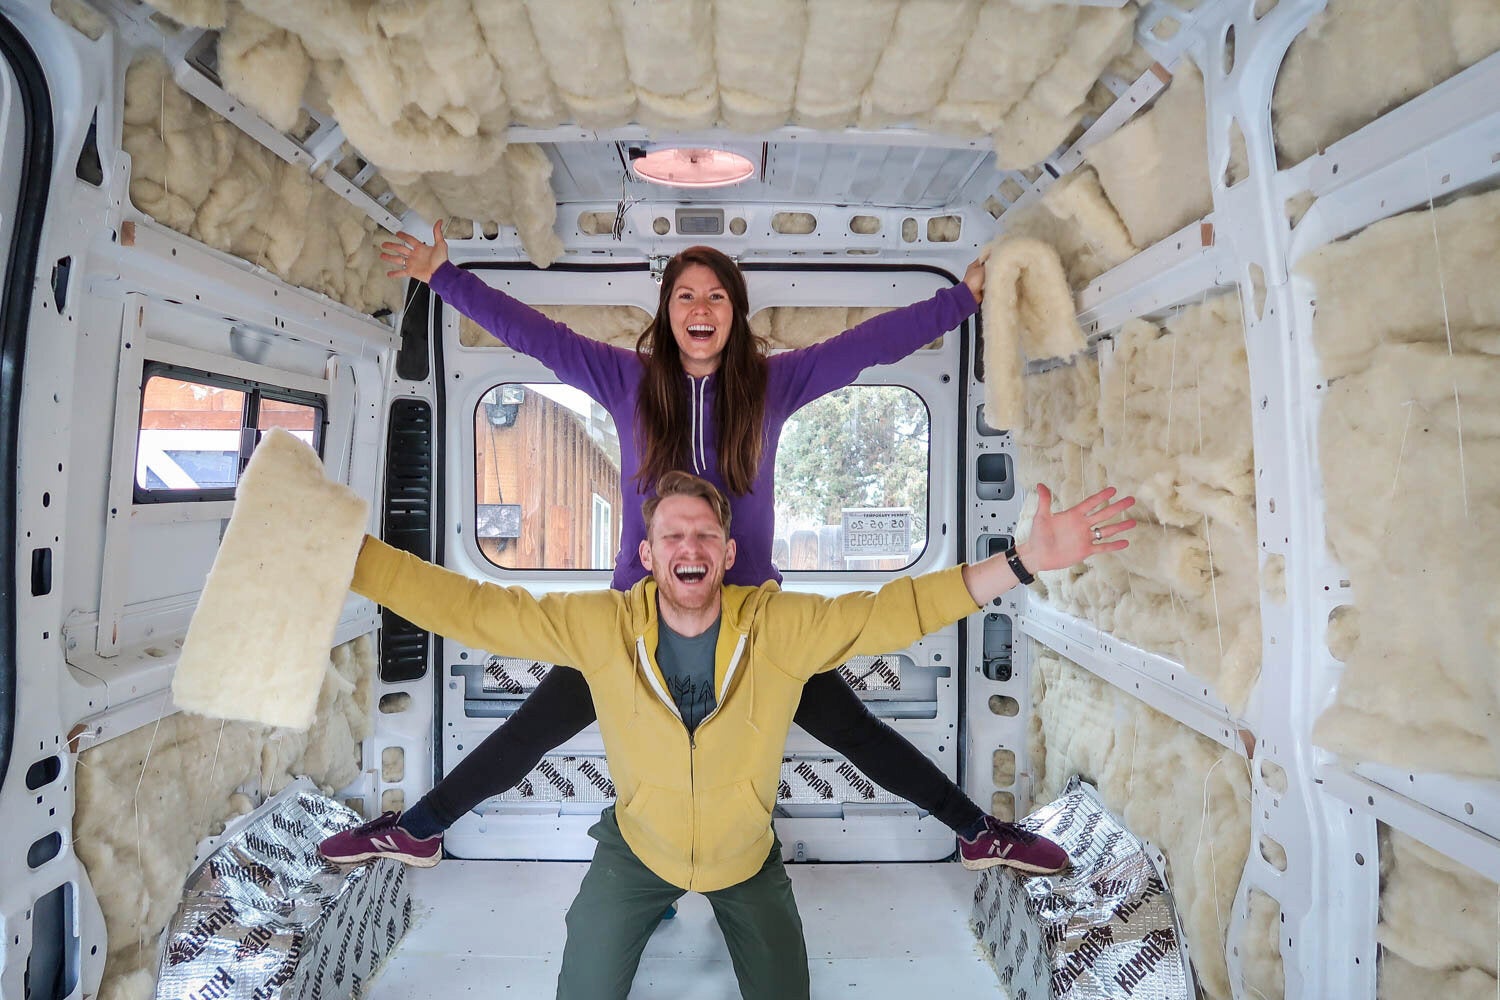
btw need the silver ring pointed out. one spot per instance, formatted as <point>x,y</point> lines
<point>1097,536</point>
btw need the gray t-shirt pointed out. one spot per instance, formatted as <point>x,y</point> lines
<point>688,666</point>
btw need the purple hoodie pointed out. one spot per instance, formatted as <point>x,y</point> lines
<point>612,376</point>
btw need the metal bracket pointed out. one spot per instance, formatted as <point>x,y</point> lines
<point>658,267</point>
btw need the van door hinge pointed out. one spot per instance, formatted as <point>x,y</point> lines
<point>658,267</point>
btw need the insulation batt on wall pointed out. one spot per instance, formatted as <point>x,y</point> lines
<point>1186,794</point>
<point>1154,170</point>
<point>147,798</point>
<point>1407,329</point>
<point>1438,924</point>
<point>779,326</point>
<point>1076,218</point>
<point>1165,412</point>
<point>617,325</point>
<point>1356,61</point>
<point>194,172</point>
<point>1139,185</point>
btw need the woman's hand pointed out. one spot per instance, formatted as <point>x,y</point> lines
<point>974,275</point>
<point>1070,536</point>
<point>412,257</point>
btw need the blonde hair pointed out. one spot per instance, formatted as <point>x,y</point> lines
<point>684,484</point>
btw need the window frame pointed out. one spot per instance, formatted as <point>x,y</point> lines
<point>255,392</point>
<point>856,572</point>
<point>928,373</point>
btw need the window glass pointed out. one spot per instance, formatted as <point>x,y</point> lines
<point>197,430</point>
<point>298,418</point>
<point>546,478</point>
<point>190,435</point>
<point>851,482</point>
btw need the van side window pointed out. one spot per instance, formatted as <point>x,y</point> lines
<point>198,429</point>
<point>851,482</point>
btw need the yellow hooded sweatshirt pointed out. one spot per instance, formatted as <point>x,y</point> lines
<point>696,809</point>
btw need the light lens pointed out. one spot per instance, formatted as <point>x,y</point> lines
<point>693,167</point>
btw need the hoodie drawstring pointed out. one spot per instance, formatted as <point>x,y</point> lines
<point>750,658</point>
<point>698,444</point>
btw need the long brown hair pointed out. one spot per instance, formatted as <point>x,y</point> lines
<point>662,425</point>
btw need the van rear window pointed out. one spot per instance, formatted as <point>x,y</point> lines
<point>851,481</point>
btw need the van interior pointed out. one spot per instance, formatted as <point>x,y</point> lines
<point>1278,229</point>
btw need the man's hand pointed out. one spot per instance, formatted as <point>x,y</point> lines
<point>412,257</point>
<point>1070,536</point>
<point>1057,541</point>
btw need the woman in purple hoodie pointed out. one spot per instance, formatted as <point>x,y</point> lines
<point>702,396</point>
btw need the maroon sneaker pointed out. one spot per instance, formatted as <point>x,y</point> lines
<point>1013,846</point>
<point>382,838</point>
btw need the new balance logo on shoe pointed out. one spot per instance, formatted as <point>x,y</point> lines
<point>382,838</point>
<point>1013,846</point>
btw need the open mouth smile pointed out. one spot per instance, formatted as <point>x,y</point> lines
<point>700,331</point>
<point>690,573</point>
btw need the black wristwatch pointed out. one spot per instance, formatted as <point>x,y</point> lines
<point>1017,567</point>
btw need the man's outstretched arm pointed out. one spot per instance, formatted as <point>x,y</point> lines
<point>807,633</point>
<point>507,620</point>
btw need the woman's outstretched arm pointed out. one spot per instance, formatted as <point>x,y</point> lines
<point>803,375</point>
<point>598,369</point>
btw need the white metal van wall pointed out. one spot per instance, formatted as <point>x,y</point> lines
<point>1291,692</point>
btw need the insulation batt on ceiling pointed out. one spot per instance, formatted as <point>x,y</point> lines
<point>1407,328</point>
<point>1164,413</point>
<point>194,172</point>
<point>426,91</point>
<point>147,798</point>
<point>1186,794</point>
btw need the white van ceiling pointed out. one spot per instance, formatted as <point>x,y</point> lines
<point>804,170</point>
<point>855,102</point>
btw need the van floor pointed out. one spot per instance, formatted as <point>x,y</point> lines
<point>882,931</point>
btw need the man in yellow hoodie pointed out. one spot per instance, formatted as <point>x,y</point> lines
<point>695,684</point>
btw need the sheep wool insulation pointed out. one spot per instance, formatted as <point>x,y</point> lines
<point>1028,314</point>
<point>257,647</point>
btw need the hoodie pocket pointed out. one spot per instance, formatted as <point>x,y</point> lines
<point>733,820</point>
<point>660,818</point>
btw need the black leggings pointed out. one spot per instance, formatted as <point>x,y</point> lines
<point>561,707</point>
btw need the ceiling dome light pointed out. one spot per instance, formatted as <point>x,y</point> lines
<point>693,167</point>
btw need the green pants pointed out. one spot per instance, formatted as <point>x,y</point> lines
<point>621,901</point>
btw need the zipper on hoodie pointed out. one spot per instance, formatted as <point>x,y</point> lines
<point>734,663</point>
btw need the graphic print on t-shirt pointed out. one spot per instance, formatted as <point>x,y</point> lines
<point>694,698</point>
<point>687,665</point>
